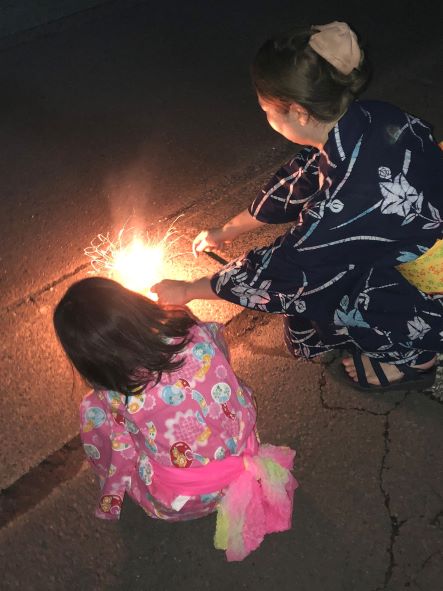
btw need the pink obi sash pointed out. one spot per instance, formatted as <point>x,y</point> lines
<point>258,494</point>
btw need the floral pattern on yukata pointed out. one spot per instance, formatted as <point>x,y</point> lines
<point>198,413</point>
<point>371,199</point>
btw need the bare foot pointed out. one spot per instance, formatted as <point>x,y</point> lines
<point>393,374</point>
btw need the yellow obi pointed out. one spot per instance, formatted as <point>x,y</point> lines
<point>426,272</point>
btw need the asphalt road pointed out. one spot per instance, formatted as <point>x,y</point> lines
<point>144,109</point>
<point>367,515</point>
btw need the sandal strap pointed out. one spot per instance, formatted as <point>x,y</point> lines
<point>412,372</point>
<point>361,373</point>
<point>379,372</point>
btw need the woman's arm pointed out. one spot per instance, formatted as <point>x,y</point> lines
<point>179,293</point>
<point>216,237</point>
<point>241,223</point>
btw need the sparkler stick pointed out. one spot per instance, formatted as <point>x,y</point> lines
<point>215,257</point>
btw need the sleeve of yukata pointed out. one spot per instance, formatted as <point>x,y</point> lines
<point>216,332</point>
<point>281,199</point>
<point>110,451</point>
<point>267,279</point>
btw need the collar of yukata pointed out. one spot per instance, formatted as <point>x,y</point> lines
<point>346,133</point>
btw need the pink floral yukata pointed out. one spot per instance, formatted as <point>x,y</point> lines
<point>198,413</point>
<point>187,447</point>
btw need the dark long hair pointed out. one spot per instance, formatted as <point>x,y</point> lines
<point>287,70</point>
<point>118,339</point>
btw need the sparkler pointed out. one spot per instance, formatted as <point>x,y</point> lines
<point>135,260</point>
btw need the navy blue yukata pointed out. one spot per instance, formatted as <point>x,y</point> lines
<point>369,200</point>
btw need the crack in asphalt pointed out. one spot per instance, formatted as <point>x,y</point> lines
<point>395,523</point>
<point>32,297</point>
<point>347,408</point>
<point>413,579</point>
<point>437,520</point>
<point>38,483</point>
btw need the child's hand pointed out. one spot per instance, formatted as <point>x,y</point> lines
<point>209,239</point>
<point>169,291</point>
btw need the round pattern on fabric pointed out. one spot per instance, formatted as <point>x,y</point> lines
<point>114,398</point>
<point>94,417</point>
<point>221,372</point>
<point>181,454</point>
<point>221,392</point>
<point>200,350</point>
<point>91,451</point>
<point>145,469</point>
<point>150,438</point>
<point>118,445</point>
<point>173,395</point>
<point>111,504</point>
<point>136,403</point>
<point>219,453</point>
<point>131,427</point>
<point>241,398</point>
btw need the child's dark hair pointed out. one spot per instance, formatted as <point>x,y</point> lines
<point>118,339</point>
<point>287,70</point>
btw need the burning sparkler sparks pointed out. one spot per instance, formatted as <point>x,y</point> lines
<point>135,260</point>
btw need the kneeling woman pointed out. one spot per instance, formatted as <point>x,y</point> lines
<point>364,197</point>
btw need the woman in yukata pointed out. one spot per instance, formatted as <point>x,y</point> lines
<point>364,197</point>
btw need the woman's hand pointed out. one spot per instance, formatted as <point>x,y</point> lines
<point>217,237</point>
<point>208,240</point>
<point>171,292</point>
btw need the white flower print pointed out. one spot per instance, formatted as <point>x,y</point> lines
<point>335,206</point>
<point>300,305</point>
<point>435,218</point>
<point>232,269</point>
<point>384,172</point>
<point>399,196</point>
<point>417,328</point>
<point>150,402</point>
<point>252,296</point>
<point>184,426</point>
<point>220,372</point>
<point>215,410</point>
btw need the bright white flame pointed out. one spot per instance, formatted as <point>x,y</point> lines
<point>139,266</point>
<point>131,260</point>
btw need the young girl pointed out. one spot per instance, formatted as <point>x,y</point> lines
<point>364,197</point>
<point>168,421</point>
